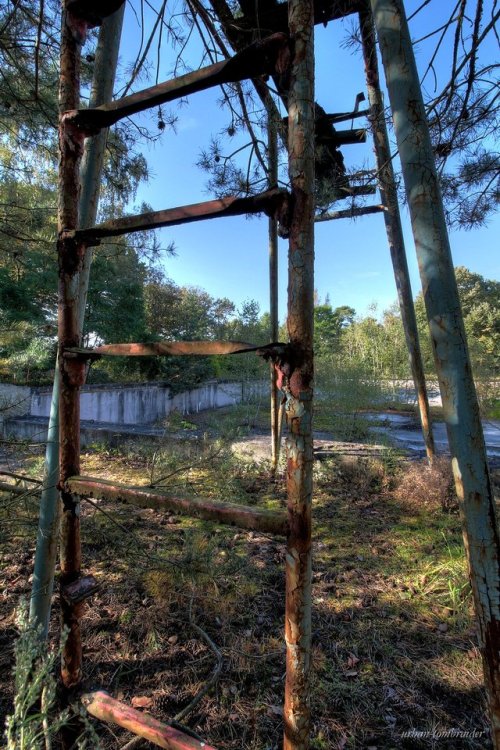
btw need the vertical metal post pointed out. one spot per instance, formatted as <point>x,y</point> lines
<point>393,226</point>
<point>299,385</point>
<point>272,147</point>
<point>72,372</point>
<point>106,59</point>
<point>451,355</point>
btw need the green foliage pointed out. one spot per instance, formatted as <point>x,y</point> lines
<point>35,721</point>
<point>480,301</point>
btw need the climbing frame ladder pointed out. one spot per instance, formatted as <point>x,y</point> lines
<point>294,214</point>
<point>286,55</point>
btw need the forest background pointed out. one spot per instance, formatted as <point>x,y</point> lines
<point>131,297</point>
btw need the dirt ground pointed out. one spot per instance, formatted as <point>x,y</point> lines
<point>185,605</point>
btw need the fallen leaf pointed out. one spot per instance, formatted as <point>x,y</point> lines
<point>351,673</point>
<point>352,661</point>
<point>275,710</point>
<point>141,701</point>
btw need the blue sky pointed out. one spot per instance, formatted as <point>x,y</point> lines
<point>229,257</point>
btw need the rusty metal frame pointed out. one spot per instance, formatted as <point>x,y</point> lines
<point>274,203</point>
<point>102,706</point>
<point>72,372</point>
<point>263,57</point>
<point>243,516</point>
<point>297,379</point>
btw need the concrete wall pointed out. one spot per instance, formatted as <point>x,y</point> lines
<point>15,401</point>
<point>146,404</point>
<point>140,404</point>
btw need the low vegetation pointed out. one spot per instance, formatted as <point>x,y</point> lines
<point>186,604</point>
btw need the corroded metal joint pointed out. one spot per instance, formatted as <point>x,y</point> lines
<point>288,360</point>
<point>91,13</point>
<point>71,252</point>
<point>281,210</point>
<point>74,371</point>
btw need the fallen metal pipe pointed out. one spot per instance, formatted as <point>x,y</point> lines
<point>243,516</point>
<point>104,707</point>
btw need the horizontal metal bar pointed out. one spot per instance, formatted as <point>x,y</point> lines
<point>243,516</point>
<point>101,705</point>
<point>349,213</point>
<point>15,489</point>
<point>275,15</point>
<point>274,203</point>
<point>175,348</point>
<point>344,116</point>
<point>263,57</point>
<point>345,137</point>
<point>358,190</point>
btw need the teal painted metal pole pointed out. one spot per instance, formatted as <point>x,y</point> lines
<point>48,526</point>
<point>272,145</point>
<point>460,405</point>
<point>392,219</point>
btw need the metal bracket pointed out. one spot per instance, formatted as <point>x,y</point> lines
<point>79,590</point>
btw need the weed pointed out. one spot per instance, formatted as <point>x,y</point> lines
<point>422,485</point>
<point>35,721</point>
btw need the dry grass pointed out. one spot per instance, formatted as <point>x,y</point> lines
<point>424,486</point>
<point>394,647</point>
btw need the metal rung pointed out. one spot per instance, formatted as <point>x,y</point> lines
<point>274,203</point>
<point>350,213</point>
<point>358,190</point>
<point>344,137</point>
<point>101,705</point>
<point>275,15</point>
<point>344,116</point>
<point>263,57</point>
<point>274,352</point>
<point>244,516</point>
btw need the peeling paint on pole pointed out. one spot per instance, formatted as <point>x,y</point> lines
<point>451,356</point>
<point>72,372</point>
<point>299,382</point>
<point>393,226</point>
<point>272,145</point>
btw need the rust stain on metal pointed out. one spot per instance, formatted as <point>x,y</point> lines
<point>262,57</point>
<point>104,707</point>
<point>274,203</point>
<point>243,516</point>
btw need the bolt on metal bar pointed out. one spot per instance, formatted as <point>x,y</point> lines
<point>243,516</point>
<point>298,377</point>
<point>263,57</point>
<point>394,229</point>
<point>460,405</point>
<point>273,202</point>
